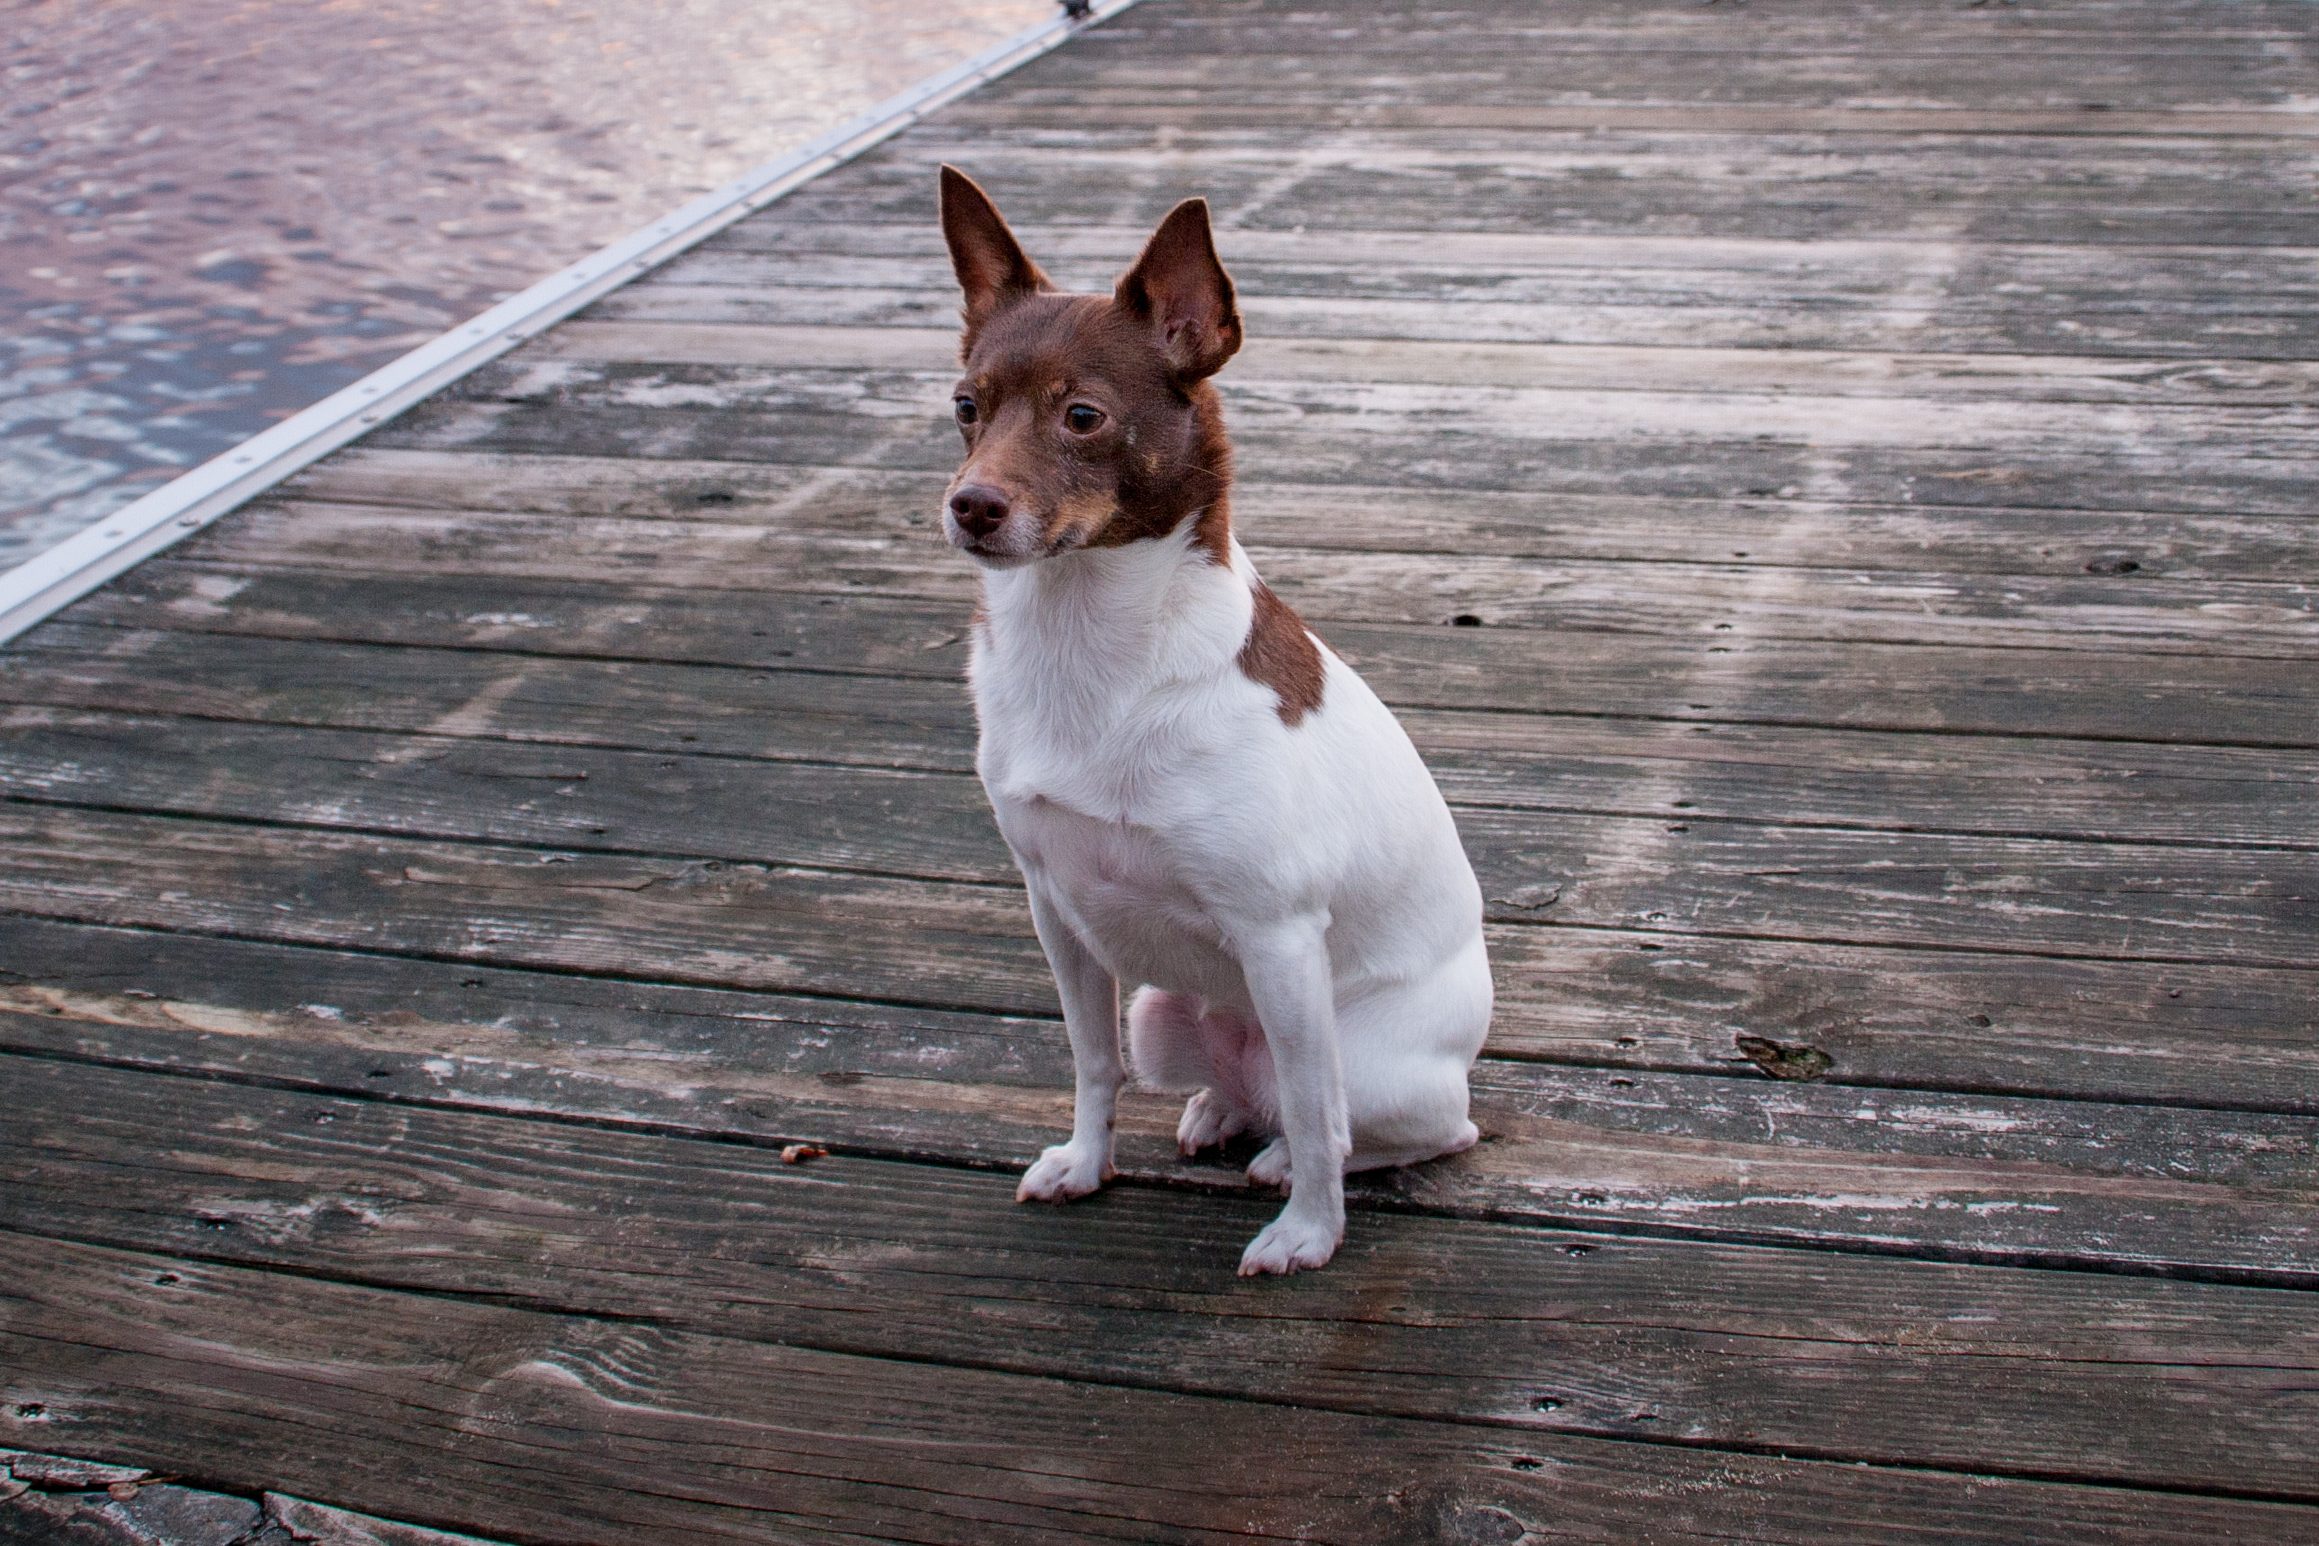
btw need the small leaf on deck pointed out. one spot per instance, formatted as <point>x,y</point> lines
<point>1783,1060</point>
<point>1531,898</point>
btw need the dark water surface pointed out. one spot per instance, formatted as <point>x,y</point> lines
<point>214,212</point>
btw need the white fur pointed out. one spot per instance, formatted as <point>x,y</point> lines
<point>1294,898</point>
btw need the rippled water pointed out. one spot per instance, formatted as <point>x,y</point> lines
<point>213,213</point>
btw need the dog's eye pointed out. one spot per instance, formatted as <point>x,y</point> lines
<point>964,408</point>
<point>1082,419</point>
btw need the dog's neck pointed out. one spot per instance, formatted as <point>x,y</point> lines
<point>1081,636</point>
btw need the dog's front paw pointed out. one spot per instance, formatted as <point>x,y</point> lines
<point>1291,1243</point>
<point>1065,1171</point>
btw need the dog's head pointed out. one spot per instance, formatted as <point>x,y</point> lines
<point>1089,420</point>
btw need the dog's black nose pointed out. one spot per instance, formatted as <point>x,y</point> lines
<point>978,509</point>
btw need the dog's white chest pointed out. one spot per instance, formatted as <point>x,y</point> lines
<point>1102,681</point>
<point>1124,891</point>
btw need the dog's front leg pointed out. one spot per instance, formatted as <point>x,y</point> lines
<point>1090,997</point>
<point>1287,969</point>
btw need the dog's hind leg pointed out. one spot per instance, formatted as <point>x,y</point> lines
<point>1177,1043</point>
<point>1408,1051</point>
<point>1406,1105</point>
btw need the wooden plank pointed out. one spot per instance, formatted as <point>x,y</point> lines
<point>1757,273</point>
<point>1566,60</point>
<point>531,1424</point>
<point>1546,286</point>
<point>1865,36</point>
<point>2024,188</point>
<point>1383,262</point>
<point>1169,104</point>
<point>1633,997</point>
<point>1974,1022</point>
<point>1791,71</point>
<point>1367,356</point>
<point>541,700</point>
<point>799,812</point>
<point>911,374</point>
<point>1956,1020</point>
<point>1496,86</point>
<point>2129,26</point>
<point>1346,87</point>
<point>722,288</point>
<point>654,634</point>
<point>353,755</point>
<point>2253,907</point>
<point>2247,461</point>
<point>1619,984</point>
<point>1574,997</point>
<point>1833,1357</point>
<point>2188,1193</point>
<point>899,555</point>
<point>1838,27</point>
<point>1784,529</point>
<point>934,824</point>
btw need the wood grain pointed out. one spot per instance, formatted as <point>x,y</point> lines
<point>530,1424</point>
<point>2110,695</point>
<point>1510,285</point>
<point>1713,598</point>
<point>2159,903</point>
<point>251,734</point>
<point>2016,188</point>
<point>2188,1192</point>
<point>1973,1022</point>
<point>2096,318</point>
<point>1642,444</point>
<point>1367,355</point>
<point>1851,1358</point>
<point>1783,529</point>
<point>1884,1016</point>
<point>1828,490</point>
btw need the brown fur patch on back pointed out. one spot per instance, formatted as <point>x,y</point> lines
<point>1280,654</point>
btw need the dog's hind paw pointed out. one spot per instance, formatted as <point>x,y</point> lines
<point>1207,1121</point>
<point>1291,1243</point>
<point>1271,1167</point>
<point>1063,1172</point>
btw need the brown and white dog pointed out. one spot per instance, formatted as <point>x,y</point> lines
<point>1206,803</point>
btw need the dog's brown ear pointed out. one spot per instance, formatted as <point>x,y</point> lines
<point>1180,288</point>
<point>991,265</point>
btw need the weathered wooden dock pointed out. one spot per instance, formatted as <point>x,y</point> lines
<point>1830,487</point>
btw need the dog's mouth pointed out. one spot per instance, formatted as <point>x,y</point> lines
<point>1006,546</point>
